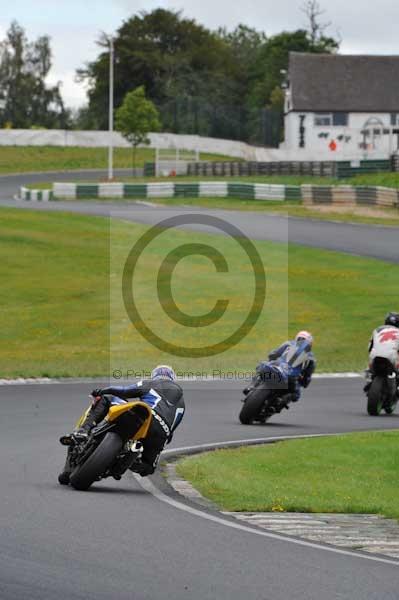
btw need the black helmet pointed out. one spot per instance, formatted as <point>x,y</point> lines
<point>392,318</point>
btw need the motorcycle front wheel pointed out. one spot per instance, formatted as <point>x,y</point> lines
<point>252,405</point>
<point>97,463</point>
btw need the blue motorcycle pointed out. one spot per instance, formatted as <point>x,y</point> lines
<point>271,392</point>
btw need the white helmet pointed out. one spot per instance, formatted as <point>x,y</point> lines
<point>163,372</point>
<point>304,336</point>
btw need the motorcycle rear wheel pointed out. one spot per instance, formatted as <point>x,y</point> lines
<point>252,405</point>
<point>97,463</point>
<point>375,397</point>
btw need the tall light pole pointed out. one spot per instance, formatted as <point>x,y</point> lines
<point>111,109</point>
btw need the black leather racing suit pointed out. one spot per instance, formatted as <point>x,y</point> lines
<point>165,397</point>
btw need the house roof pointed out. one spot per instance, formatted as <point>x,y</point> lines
<point>334,82</point>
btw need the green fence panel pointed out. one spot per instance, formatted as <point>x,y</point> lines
<point>186,190</point>
<point>86,191</point>
<point>293,192</point>
<point>345,168</point>
<point>149,169</point>
<point>241,190</point>
<point>135,190</point>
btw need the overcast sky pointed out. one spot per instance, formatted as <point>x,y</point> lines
<point>74,25</point>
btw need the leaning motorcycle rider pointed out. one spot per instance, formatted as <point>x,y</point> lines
<point>165,397</point>
<point>385,342</point>
<point>293,360</point>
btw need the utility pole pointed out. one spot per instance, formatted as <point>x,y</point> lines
<point>111,109</point>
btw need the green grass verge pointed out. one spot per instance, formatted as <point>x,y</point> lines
<point>54,294</point>
<point>55,277</point>
<point>353,473</point>
<point>292,208</point>
<point>22,159</point>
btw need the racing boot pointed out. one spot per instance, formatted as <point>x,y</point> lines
<point>76,437</point>
<point>125,462</point>
<point>97,412</point>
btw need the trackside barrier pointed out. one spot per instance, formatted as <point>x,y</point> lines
<point>347,195</point>
<point>35,195</point>
<point>210,189</point>
<point>338,169</point>
<point>344,195</point>
<point>248,168</point>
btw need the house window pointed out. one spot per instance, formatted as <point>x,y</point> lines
<point>394,119</point>
<point>321,120</point>
<point>339,119</point>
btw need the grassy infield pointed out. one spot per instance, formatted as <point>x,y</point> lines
<point>29,159</point>
<point>54,293</point>
<point>354,473</point>
<point>55,285</point>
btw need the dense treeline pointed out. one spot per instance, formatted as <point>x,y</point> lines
<point>222,84</point>
<point>216,83</point>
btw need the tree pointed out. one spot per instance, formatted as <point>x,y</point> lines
<point>316,29</point>
<point>24,66</point>
<point>272,61</point>
<point>171,56</point>
<point>135,118</point>
<point>245,44</point>
<point>209,83</point>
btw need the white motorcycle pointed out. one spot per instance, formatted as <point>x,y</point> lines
<point>381,389</point>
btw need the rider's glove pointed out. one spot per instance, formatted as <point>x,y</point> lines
<point>97,393</point>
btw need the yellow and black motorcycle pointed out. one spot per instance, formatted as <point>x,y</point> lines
<point>112,446</point>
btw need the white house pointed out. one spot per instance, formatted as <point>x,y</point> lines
<point>341,106</point>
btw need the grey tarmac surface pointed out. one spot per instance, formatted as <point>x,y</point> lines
<point>373,241</point>
<point>118,541</point>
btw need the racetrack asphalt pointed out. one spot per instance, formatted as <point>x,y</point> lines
<point>363,240</point>
<point>119,541</point>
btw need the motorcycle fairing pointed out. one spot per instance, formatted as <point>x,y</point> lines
<point>116,411</point>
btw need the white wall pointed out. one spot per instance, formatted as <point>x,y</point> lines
<point>379,146</point>
<point>55,137</point>
<point>315,149</point>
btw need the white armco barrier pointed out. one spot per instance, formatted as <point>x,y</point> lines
<point>160,190</point>
<point>269,192</point>
<point>213,189</point>
<point>64,190</point>
<point>110,190</point>
<point>59,137</point>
